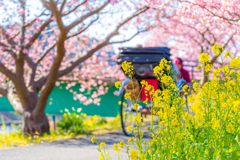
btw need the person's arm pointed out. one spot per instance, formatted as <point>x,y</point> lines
<point>187,78</point>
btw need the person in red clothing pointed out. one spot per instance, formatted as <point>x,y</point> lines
<point>184,74</point>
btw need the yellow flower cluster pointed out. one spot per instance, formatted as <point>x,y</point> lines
<point>118,84</point>
<point>133,154</point>
<point>204,58</point>
<point>128,68</point>
<point>217,49</point>
<point>120,145</point>
<point>207,127</point>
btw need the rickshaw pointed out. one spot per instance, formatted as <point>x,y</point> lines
<point>144,60</point>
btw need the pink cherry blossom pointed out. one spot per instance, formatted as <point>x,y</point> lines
<point>57,83</point>
<point>82,99</point>
<point>82,89</point>
<point>25,51</point>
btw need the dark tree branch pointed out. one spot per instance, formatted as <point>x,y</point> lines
<point>62,6</point>
<point>37,33</point>
<point>19,82</point>
<point>22,33</point>
<point>9,40</point>
<point>201,33</point>
<point>90,51</point>
<point>29,24</point>
<point>84,29</point>
<point>101,44</point>
<point>8,49</point>
<point>126,40</point>
<point>80,20</point>
<point>32,73</point>
<point>45,53</point>
<point>47,5</point>
<point>29,60</point>
<point>67,13</point>
<point>58,15</point>
<point>4,45</point>
<point>213,14</point>
<point>7,72</point>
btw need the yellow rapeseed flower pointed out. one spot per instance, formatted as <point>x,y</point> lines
<point>143,82</point>
<point>136,119</point>
<point>101,156</point>
<point>234,63</point>
<point>128,95</point>
<point>127,66</point>
<point>199,67</point>
<point>133,154</point>
<point>143,124</point>
<point>129,128</point>
<point>186,116</point>
<point>186,89</point>
<point>93,139</point>
<point>119,102</point>
<point>196,86</point>
<point>94,117</point>
<point>228,54</point>
<point>102,144</point>
<point>204,58</point>
<point>217,49</point>
<point>135,106</point>
<point>118,84</point>
<point>225,69</point>
<point>115,147</point>
<point>121,144</point>
<point>208,68</point>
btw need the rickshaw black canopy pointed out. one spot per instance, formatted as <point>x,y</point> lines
<point>143,59</point>
<point>149,55</point>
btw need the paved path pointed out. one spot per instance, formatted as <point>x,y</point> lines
<point>73,149</point>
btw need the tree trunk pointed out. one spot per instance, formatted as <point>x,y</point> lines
<point>31,125</point>
<point>205,76</point>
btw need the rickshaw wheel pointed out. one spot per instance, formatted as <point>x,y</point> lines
<point>127,114</point>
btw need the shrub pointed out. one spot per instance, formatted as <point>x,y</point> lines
<point>71,122</point>
<point>98,120</point>
<point>209,129</point>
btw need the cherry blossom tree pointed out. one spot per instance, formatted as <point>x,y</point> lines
<point>57,40</point>
<point>195,26</point>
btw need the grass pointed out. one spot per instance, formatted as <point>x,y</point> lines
<point>15,139</point>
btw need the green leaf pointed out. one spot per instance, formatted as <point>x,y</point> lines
<point>174,155</point>
<point>148,156</point>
